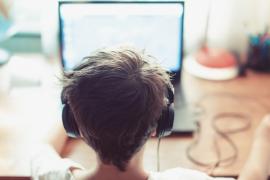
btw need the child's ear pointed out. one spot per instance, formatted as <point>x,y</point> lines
<point>154,133</point>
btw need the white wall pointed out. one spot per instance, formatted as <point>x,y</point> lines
<point>230,22</point>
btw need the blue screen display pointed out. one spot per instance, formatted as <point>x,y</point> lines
<point>155,27</point>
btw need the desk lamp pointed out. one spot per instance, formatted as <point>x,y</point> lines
<point>212,63</point>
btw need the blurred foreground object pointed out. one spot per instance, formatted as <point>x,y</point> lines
<point>5,21</point>
<point>259,52</point>
<point>4,9</point>
<point>5,25</point>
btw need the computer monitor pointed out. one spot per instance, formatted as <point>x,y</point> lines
<point>156,27</point>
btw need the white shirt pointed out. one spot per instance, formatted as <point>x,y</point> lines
<point>47,165</point>
<point>182,174</point>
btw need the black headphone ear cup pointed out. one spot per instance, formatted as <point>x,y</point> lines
<point>170,118</point>
<point>161,123</point>
<point>165,123</point>
<point>69,122</point>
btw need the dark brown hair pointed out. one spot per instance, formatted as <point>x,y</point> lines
<point>116,96</point>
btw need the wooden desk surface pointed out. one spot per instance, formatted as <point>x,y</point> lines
<point>28,113</point>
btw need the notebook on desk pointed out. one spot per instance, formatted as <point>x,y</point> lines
<point>154,26</point>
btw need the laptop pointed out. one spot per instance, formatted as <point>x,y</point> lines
<point>156,26</point>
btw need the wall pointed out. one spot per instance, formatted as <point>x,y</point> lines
<point>230,22</point>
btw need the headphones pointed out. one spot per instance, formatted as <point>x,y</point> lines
<point>164,127</point>
<point>165,122</point>
<point>68,119</point>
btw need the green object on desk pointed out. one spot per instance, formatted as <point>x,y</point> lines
<point>15,43</point>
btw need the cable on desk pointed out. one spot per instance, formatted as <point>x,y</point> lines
<point>224,134</point>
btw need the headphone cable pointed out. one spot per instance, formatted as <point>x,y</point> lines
<point>158,157</point>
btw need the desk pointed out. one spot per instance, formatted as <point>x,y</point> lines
<point>173,149</point>
<point>27,109</point>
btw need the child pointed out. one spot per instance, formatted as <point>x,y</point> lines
<point>114,100</point>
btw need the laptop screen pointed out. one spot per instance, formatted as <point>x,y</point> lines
<point>154,26</point>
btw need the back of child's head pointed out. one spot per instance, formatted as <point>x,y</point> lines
<point>116,96</point>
